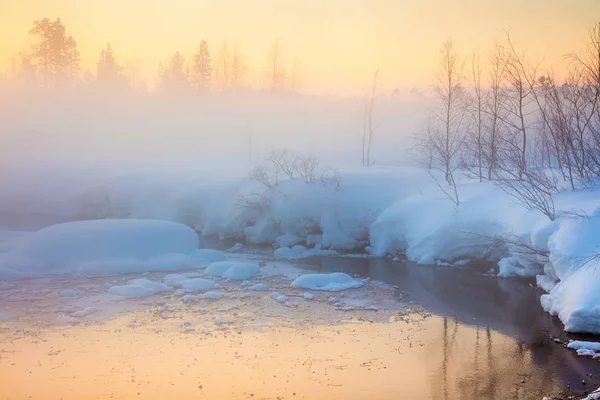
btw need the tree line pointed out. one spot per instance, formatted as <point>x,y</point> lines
<point>521,127</point>
<point>53,61</point>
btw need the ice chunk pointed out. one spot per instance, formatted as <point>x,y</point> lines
<point>233,270</point>
<point>85,312</point>
<point>334,282</point>
<point>213,295</point>
<point>258,287</point>
<point>236,248</point>
<point>308,296</point>
<point>68,293</point>
<point>139,288</point>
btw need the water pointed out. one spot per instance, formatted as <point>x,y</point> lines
<point>493,332</point>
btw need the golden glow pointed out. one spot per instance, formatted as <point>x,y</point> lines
<point>339,43</point>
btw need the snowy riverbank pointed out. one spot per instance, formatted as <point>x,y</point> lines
<point>385,211</point>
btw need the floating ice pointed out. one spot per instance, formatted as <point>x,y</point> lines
<point>232,270</point>
<point>334,282</point>
<point>139,288</point>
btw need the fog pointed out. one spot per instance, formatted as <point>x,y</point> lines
<point>225,129</point>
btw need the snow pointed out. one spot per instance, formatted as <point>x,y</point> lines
<point>103,246</point>
<point>69,293</point>
<point>509,266</point>
<point>387,210</point>
<point>579,344</point>
<point>203,257</point>
<point>213,295</point>
<point>308,296</point>
<point>85,312</point>
<point>235,248</point>
<point>232,270</point>
<point>139,288</point>
<point>299,251</point>
<point>189,284</point>
<point>334,282</point>
<point>258,287</point>
<point>279,297</point>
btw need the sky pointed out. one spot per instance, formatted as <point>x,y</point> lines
<point>338,44</point>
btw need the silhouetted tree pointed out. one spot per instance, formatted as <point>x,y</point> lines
<point>174,77</point>
<point>277,71</point>
<point>239,69</point>
<point>202,67</point>
<point>56,53</point>
<point>108,71</point>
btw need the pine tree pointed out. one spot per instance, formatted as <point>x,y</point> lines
<point>108,71</point>
<point>202,67</point>
<point>72,58</point>
<point>56,53</point>
<point>41,51</point>
<point>174,77</point>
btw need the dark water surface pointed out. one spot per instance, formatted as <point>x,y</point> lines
<point>496,341</point>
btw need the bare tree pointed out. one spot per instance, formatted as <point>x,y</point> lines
<point>519,77</point>
<point>369,125</point>
<point>239,69</point>
<point>477,114</point>
<point>277,71</point>
<point>444,136</point>
<point>494,111</point>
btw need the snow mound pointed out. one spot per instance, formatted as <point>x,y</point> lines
<point>139,288</point>
<point>232,270</point>
<point>102,246</point>
<point>308,296</point>
<point>579,344</point>
<point>334,282</point>
<point>576,300</point>
<point>189,284</point>
<point>279,297</point>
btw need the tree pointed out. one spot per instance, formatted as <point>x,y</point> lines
<point>72,58</point>
<point>493,111</point>
<point>369,125</point>
<point>519,78</point>
<point>108,70</point>
<point>276,69</point>
<point>202,67</point>
<point>26,71</point>
<point>477,113</point>
<point>446,125</point>
<point>222,67</point>
<point>41,51</point>
<point>174,77</point>
<point>239,69</point>
<point>56,53</point>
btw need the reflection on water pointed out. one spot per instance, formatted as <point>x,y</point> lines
<point>491,308</point>
<point>481,338</point>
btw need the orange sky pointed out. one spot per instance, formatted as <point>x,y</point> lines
<point>339,42</point>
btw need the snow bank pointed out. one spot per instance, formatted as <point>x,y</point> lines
<point>334,282</point>
<point>139,288</point>
<point>232,270</point>
<point>103,246</point>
